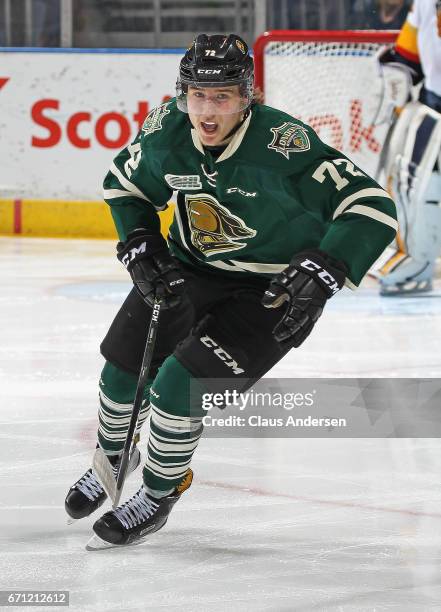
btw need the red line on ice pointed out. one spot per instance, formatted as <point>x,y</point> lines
<point>312,500</point>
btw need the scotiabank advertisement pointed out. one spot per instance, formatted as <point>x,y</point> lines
<point>64,116</point>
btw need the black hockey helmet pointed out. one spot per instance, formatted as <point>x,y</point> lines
<point>216,60</point>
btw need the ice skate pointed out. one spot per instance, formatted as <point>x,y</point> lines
<point>410,278</point>
<point>132,522</point>
<point>87,494</point>
<point>408,288</point>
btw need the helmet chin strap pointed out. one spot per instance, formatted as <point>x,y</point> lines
<point>231,133</point>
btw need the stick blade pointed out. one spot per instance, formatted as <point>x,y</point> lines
<point>103,470</point>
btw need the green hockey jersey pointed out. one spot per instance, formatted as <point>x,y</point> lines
<point>276,190</point>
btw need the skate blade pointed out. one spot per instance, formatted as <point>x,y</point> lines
<point>96,543</point>
<point>407,289</point>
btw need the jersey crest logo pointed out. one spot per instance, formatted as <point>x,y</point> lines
<point>289,138</point>
<point>153,121</point>
<point>214,229</point>
<point>189,181</point>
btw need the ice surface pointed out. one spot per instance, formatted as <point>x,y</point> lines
<point>283,525</point>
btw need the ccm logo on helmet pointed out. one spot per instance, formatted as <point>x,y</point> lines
<point>325,276</point>
<point>208,71</point>
<point>219,352</point>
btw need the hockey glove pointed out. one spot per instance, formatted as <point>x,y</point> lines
<point>152,268</point>
<point>311,278</point>
<point>389,56</point>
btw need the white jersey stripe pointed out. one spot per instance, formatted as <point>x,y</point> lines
<point>247,266</point>
<point>363,193</point>
<point>359,209</point>
<point>111,194</point>
<point>127,184</point>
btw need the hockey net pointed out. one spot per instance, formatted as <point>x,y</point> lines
<point>329,80</point>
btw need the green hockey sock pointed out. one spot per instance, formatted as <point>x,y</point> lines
<point>117,392</point>
<point>174,434</point>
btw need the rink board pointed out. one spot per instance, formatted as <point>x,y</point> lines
<point>68,219</point>
<point>65,114</point>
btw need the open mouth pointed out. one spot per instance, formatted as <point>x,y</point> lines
<point>209,127</point>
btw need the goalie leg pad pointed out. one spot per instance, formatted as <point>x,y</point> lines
<point>414,273</point>
<point>412,172</point>
<point>417,191</point>
<point>399,135</point>
<point>427,237</point>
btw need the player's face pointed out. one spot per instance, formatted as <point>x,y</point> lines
<point>214,112</point>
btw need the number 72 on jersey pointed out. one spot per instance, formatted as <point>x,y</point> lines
<point>329,168</point>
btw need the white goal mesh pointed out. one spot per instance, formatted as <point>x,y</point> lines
<point>334,85</point>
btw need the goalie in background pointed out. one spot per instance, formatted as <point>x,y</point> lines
<point>412,160</point>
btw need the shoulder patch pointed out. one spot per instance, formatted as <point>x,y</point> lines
<point>181,181</point>
<point>153,121</point>
<point>289,138</point>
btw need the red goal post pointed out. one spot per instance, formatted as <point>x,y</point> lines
<point>330,80</point>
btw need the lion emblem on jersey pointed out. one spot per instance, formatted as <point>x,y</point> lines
<point>289,138</point>
<point>214,229</point>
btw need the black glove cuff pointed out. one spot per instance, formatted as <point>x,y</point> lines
<point>140,244</point>
<point>328,272</point>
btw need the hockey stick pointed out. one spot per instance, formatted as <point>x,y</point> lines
<point>101,465</point>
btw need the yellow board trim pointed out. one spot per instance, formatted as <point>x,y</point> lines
<point>6,217</point>
<point>63,219</point>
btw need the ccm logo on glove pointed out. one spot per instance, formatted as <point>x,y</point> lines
<point>323,274</point>
<point>306,284</point>
<point>133,254</point>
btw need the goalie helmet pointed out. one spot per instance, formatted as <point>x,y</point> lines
<point>216,61</point>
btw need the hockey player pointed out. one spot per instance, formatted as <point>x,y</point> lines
<point>270,223</point>
<point>413,160</point>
